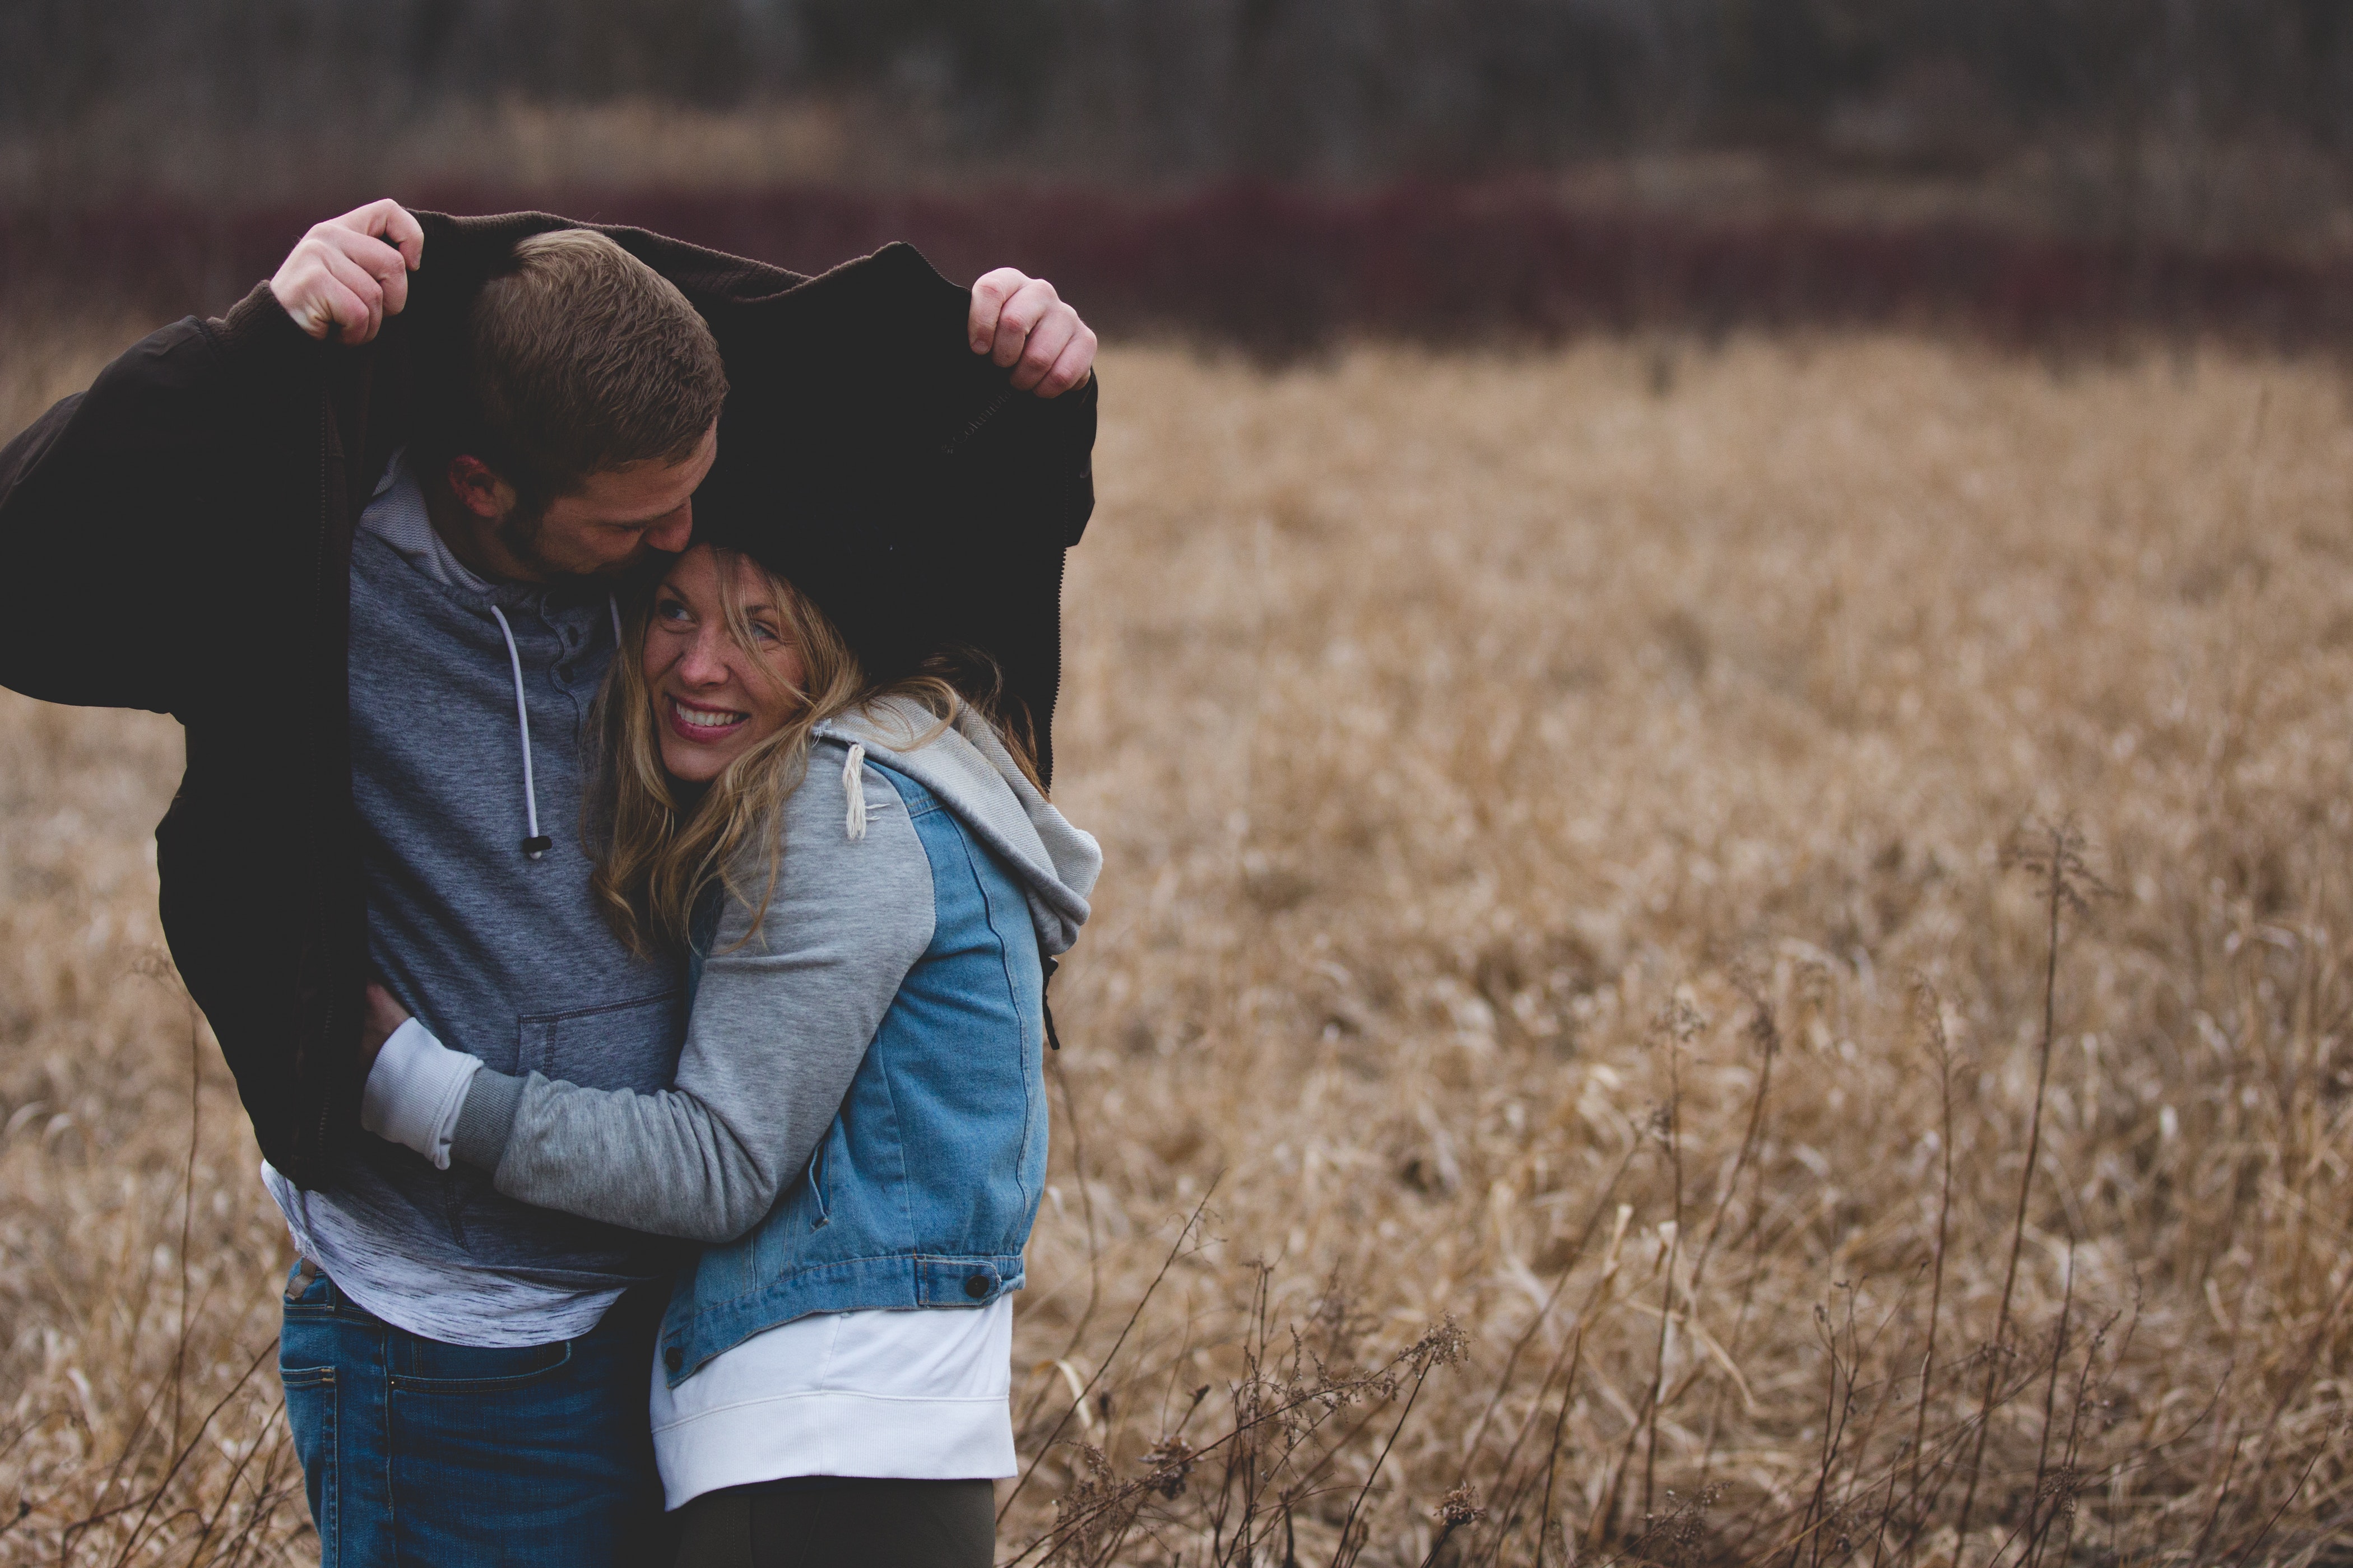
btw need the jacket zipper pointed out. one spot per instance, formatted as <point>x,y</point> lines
<point>988,412</point>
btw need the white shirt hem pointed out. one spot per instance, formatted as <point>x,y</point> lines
<point>834,1433</point>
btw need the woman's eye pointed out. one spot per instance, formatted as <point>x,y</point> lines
<point>669,610</point>
<point>765,632</point>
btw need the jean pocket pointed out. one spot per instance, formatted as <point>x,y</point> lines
<point>313,1340</point>
<point>437,1368</point>
<point>311,1413</point>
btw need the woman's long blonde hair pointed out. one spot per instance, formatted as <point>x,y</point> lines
<point>658,850</point>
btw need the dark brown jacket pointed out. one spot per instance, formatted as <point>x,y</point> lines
<point>178,538</point>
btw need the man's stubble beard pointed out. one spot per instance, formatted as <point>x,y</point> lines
<point>519,535</point>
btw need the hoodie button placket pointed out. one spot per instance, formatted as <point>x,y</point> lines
<point>571,636</point>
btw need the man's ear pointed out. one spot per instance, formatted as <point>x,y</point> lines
<point>479,488</point>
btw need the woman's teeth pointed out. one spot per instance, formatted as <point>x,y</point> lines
<point>704,719</point>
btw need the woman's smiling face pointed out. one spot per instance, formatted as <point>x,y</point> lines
<point>714,699</point>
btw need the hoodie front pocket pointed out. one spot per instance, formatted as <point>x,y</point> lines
<point>619,1045</point>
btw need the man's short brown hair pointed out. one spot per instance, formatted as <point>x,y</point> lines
<point>580,358</point>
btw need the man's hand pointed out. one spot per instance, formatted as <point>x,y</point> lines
<point>1018,321</point>
<point>351,273</point>
<point>380,1016</point>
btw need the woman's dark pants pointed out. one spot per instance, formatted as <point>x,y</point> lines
<point>829,1521</point>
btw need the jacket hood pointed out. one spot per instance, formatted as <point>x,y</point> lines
<point>969,771</point>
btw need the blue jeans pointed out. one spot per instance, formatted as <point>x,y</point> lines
<point>416,1452</point>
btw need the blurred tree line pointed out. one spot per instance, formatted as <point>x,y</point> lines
<point>1180,89</point>
<point>1274,172</point>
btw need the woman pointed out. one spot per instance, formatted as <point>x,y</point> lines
<point>867,883</point>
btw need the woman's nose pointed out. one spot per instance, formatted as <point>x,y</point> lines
<point>704,662</point>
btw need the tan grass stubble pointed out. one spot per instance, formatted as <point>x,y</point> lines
<point>139,1410</point>
<point>1483,746</point>
<point>1473,739</point>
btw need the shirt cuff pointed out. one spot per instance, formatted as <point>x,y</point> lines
<point>483,1127</point>
<point>415,1090</point>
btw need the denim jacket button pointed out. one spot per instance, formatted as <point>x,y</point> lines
<point>673,1358</point>
<point>976,1286</point>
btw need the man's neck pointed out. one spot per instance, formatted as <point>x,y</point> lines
<point>473,540</point>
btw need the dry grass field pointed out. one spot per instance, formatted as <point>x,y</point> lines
<point>1569,1065</point>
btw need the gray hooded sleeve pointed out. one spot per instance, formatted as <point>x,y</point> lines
<point>779,1025</point>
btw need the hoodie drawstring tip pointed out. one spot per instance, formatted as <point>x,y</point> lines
<point>853,785</point>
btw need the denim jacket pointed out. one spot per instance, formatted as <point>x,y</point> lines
<point>922,1192</point>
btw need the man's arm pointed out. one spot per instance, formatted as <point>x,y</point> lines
<point>779,1027</point>
<point>147,493</point>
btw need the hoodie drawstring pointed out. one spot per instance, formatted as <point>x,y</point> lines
<point>538,843</point>
<point>854,786</point>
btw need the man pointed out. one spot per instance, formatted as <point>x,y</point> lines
<point>362,533</point>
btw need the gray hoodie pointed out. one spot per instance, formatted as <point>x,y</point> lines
<point>493,949</point>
